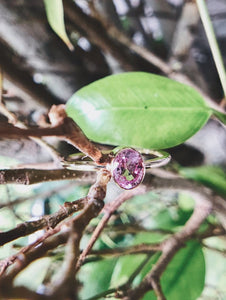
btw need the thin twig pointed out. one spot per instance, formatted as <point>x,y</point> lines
<point>199,193</point>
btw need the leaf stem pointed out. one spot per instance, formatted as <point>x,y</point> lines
<point>208,27</point>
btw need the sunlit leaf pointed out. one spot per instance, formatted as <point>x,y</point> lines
<point>138,109</point>
<point>55,16</point>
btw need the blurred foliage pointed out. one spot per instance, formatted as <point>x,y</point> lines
<point>211,176</point>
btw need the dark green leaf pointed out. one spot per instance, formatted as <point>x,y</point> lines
<point>138,109</point>
<point>126,265</point>
<point>210,176</point>
<point>183,279</point>
<point>55,16</point>
<point>185,275</point>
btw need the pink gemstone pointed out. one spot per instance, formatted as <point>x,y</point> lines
<point>128,168</point>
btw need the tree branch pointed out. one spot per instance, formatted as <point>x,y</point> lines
<point>95,203</point>
<point>32,176</point>
<point>49,221</point>
<point>63,127</point>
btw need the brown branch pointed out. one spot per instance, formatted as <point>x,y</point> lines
<point>72,132</point>
<point>65,285</point>
<point>109,209</point>
<point>97,34</point>
<point>49,221</point>
<point>95,203</point>
<point>62,126</point>
<point>32,176</point>
<point>133,229</point>
<point>4,264</point>
<point>12,118</point>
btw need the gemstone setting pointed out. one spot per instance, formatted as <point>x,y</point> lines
<point>128,168</point>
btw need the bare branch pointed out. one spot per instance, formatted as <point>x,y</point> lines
<point>14,120</point>
<point>49,221</point>
<point>62,126</point>
<point>32,176</point>
<point>65,285</point>
<point>95,203</point>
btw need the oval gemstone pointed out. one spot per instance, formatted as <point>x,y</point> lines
<point>128,168</point>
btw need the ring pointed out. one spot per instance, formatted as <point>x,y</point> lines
<point>127,166</point>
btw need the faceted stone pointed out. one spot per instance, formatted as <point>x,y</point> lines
<point>128,168</point>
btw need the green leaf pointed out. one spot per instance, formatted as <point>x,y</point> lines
<point>127,264</point>
<point>184,277</point>
<point>138,109</point>
<point>95,277</point>
<point>55,16</point>
<point>125,267</point>
<point>210,176</point>
<point>221,116</point>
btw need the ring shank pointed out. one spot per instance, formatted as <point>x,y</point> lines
<point>80,164</point>
<point>162,158</point>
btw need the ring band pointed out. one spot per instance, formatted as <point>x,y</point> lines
<point>77,161</point>
<point>127,166</point>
